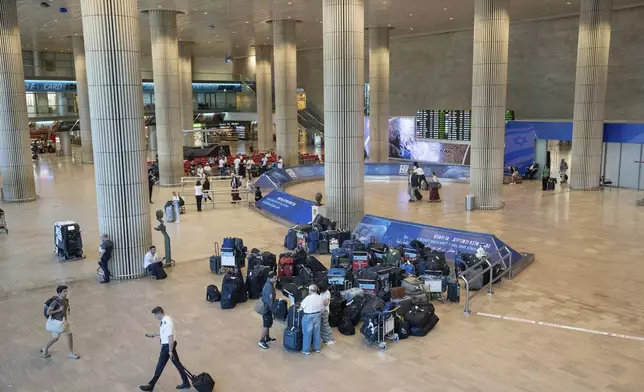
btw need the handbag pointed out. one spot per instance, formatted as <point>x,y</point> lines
<point>260,307</point>
<point>55,326</point>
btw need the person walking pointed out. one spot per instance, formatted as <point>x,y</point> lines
<point>236,163</point>
<point>235,184</point>
<point>312,306</point>
<point>198,194</point>
<point>167,336</point>
<point>206,189</point>
<point>57,313</point>
<point>105,255</point>
<point>434,186</point>
<point>152,179</point>
<point>280,162</point>
<point>269,301</point>
<point>545,177</point>
<point>326,333</point>
<point>563,168</point>
<point>264,167</point>
<point>222,166</point>
<point>176,206</point>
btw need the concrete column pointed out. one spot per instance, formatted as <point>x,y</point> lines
<point>82,99</point>
<point>590,94</point>
<point>264,98</point>
<point>38,68</point>
<point>343,56</point>
<point>251,64</point>
<point>65,143</point>
<point>187,112</point>
<point>16,168</point>
<point>167,95</point>
<point>379,84</point>
<point>113,58</point>
<point>285,66</point>
<point>61,104</point>
<point>152,139</point>
<point>239,68</point>
<point>489,84</point>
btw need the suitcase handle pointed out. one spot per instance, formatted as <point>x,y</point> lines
<point>215,249</point>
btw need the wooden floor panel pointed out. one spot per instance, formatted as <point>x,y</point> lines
<point>588,274</point>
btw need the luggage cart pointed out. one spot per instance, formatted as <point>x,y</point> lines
<point>3,222</point>
<point>387,332</point>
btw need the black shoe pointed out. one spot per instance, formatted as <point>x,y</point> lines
<point>262,344</point>
<point>148,387</point>
<point>270,340</point>
<point>184,386</point>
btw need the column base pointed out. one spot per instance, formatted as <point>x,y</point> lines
<point>170,185</point>
<point>490,208</point>
<point>21,200</point>
<point>128,277</point>
<point>593,189</point>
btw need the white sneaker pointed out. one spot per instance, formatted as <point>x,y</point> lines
<point>330,342</point>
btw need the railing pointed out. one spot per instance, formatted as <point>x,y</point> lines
<point>506,269</point>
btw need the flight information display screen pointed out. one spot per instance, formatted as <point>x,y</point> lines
<point>447,124</point>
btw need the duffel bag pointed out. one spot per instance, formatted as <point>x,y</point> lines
<point>412,284</point>
<point>347,327</point>
<point>403,305</point>
<point>354,245</point>
<point>424,330</point>
<point>212,293</point>
<point>417,317</point>
<point>269,260</point>
<point>353,311</point>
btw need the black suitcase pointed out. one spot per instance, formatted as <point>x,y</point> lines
<point>256,280</point>
<point>296,291</point>
<point>424,330</point>
<point>269,260</point>
<point>160,274</point>
<point>281,310</point>
<point>551,185</point>
<point>291,317</point>
<point>336,306</point>
<point>293,334</point>
<point>417,317</point>
<point>323,247</point>
<point>232,290</point>
<point>215,264</point>
<point>403,304</point>
<point>202,382</point>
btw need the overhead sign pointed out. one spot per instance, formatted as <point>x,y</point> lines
<point>301,99</point>
<point>49,85</point>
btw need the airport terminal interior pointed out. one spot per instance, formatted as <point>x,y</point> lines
<point>529,112</point>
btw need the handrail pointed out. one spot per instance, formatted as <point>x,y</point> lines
<point>507,268</point>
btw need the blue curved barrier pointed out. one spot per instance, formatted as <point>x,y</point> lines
<point>280,178</point>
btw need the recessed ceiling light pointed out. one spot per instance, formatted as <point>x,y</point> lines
<point>49,37</point>
<point>451,18</point>
<point>247,22</point>
<point>208,41</point>
<point>389,25</point>
<point>56,20</point>
<point>160,6</point>
<point>237,46</point>
<point>289,17</point>
<point>289,3</point>
<point>46,48</point>
<point>75,33</point>
<point>568,3</point>
<point>411,28</point>
<point>444,9</point>
<point>205,13</point>
<point>45,25</point>
<point>411,14</point>
<point>216,35</point>
<point>233,32</point>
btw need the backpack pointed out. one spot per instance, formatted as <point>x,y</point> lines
<point>181,202</point>
<point>47,305</point>
<point>212,293</point>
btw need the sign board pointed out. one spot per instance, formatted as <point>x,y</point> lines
<point>301,99</point>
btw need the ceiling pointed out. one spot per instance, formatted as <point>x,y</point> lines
<point>230,26</point>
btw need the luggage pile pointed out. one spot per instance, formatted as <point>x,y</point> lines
<point>301,268</point>
<point>319,236</point>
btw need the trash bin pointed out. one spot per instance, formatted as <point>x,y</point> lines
<point>469,202</point>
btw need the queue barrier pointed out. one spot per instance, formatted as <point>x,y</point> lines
<point>505,260</point>
<point>220,191</point>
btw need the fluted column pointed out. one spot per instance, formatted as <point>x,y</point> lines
<point>593,49</point>
<point>65,143</point>
<point>379,88</point>
<point>111,29</point>
<point>167,95</point>
<point>489,85</point>
<point>37,63</point>
<point>82,99</point>
<point>239,67</point>
<point>187,112</point>
<point>343,56</point>
<point>251,64</point>
<point>285,66</point>
<point>15,148</point>
<point>264,97</point>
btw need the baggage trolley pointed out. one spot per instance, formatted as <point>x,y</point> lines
<point>387,332</point>
<point>228,260</point>
<point>3,222</point>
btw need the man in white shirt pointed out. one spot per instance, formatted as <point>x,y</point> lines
<point>200,171</point>
<point>207,170</point>
<point>280,162</point>
<point>312,306</point>
<point>168,350</point>
<point>151,261</point>
<point>264,164</point>
<point>236,162</point>
<point>249,167</point>
<point>222,168</point>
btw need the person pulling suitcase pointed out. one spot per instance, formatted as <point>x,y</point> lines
<point>168,351</point>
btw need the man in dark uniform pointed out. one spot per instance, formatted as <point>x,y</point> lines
<point>268,298</point>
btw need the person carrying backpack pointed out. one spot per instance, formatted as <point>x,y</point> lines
<point>56,310</point>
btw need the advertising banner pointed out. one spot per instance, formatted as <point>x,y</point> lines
<point>390,231</point>
<point>287,207</point>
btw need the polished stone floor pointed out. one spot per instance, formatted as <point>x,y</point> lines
<point>587,275</point>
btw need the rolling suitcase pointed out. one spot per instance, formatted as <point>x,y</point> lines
<point>454,292</point>
<point>293,335</point>
<point>202,382</point>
